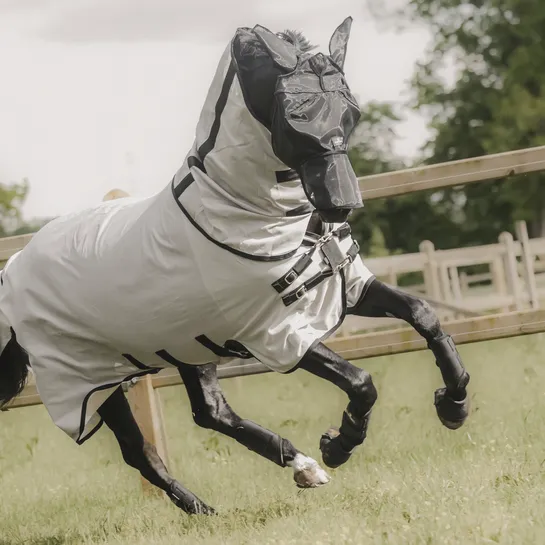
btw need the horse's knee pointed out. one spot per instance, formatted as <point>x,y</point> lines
<point>363,390</point>
<point>132,454</point>
<point>424,318</point>
<point>213,417</point>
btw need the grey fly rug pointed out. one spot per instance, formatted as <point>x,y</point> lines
<point>216,266</point>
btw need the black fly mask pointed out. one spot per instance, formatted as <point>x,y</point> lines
<point>304,101</point>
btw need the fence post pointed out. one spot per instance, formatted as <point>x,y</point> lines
<point>392,277</point>
<point>528,263</point>
<point>499,283</point>
<point>510,261</point>
<point>146,407</point>
<point>445,283</point>
<point>431,276</point>
<point>464,282</point>
<point>455,283</point>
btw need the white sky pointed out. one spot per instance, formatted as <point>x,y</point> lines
<point>97,94</point>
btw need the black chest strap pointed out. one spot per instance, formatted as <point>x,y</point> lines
<point>305,260</point>
<point>318,278</point>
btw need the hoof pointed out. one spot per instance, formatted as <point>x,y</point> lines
<point>188,502</point>
<point>307,473</point>
<point>452,413</point>
<point>203,509</point>
<point>333,453</point>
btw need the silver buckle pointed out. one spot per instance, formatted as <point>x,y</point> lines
<point>291,277</point>
<point>300,292</point>
<point>346,261</point>
<point>324,239</point>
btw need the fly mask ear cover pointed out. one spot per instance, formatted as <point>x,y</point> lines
<point>314,114</point>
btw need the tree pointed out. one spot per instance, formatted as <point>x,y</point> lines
<point>12,198</point>
<point>396,224</point>
<point>496,103</point>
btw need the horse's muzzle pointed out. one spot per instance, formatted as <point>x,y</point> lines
<point>331,186</point>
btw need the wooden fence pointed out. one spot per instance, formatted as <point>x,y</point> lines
<point>145,400</point>
<point>515,279</point>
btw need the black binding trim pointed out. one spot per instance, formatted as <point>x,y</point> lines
<point>230,349</point>
<point>188,178</point>
<point>208,146</point>
<point>210,142</point>
<point>80,440</point>
<point>220,244</point>
<point>367,285</point>
<point>303,210</point>
<point>283,176</point>
<point>192,161</point>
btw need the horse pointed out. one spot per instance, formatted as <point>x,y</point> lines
<point>247,254</point>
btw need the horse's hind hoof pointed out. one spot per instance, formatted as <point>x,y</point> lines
<point>333,453</point>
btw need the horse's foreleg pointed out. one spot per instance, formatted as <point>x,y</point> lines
<point>381,301</point>
<point>337,444</point>
<point>211,410</point>
<point>142,455</point>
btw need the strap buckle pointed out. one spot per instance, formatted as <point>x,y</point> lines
<point>300,292</point>
<point>346,261</point>
<point>291,277</point>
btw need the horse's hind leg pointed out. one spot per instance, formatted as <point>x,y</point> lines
<point>141,455</point>
<point>211,410</point>
<point>380,301</point>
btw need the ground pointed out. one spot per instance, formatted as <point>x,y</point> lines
<point>414,482</point>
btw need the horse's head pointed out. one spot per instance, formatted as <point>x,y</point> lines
<point>305,102</point>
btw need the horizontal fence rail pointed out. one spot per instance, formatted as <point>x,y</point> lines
<point>400,182</point>
<point>453,173</point>
<point>368,345</point>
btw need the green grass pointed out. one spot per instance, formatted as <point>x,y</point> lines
<point>414,482</point>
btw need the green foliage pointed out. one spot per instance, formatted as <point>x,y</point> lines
<point>399,224</point>
<point>496,103</point>
<point>12,198</point>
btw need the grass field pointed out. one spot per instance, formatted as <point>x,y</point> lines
<point>414,482</point>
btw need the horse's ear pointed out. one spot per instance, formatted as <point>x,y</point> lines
<point>282,53</point>
<point>339,41</point>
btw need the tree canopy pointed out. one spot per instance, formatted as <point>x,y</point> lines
<point>495,103</point>
<point>12,197</point>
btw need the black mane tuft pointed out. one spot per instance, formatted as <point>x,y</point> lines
<point>298,39</point>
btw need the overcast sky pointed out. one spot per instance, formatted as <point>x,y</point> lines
<point>97,94</point>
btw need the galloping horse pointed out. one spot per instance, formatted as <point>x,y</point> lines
<point>245,254</point>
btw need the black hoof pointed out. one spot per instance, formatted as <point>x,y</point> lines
<point>451,412</point>
<point>333,454</point>
<point>188,502</point>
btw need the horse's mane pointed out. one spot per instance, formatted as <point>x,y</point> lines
<point>298,39</point>
<point>252,46</point>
